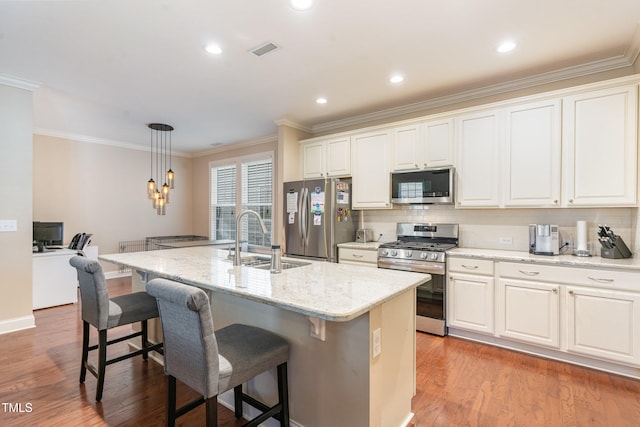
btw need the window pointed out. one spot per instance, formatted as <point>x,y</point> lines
<point>238,185</point>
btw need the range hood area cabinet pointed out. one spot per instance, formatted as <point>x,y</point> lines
<point>424,145</point>
<point>575,151</point>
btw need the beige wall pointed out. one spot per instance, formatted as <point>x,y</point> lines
<point>201,196</point>
<point>16,149</point>
<point>100,189</point>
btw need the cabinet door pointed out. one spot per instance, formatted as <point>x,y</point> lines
<point>371,171</point>
<point>406,153</point>
<point>470,302</point>
<point>437,144</point>
<point>604,324</point>
<point>529,311</point>
<point>339,156</point>
<point>313,160</point>
<point>599,147</point>
<point>532,155</point>
<point>478,140</point>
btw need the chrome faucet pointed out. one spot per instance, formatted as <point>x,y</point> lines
<point>236,256</point>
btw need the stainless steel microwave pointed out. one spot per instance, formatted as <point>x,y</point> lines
<point>428,186</point>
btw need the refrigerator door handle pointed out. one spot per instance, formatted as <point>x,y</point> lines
<point>302,217</point>
<point>306,218</point>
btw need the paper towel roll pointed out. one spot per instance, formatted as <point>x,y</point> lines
<point>581,240</point>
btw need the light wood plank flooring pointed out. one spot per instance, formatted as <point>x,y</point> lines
<point>460,383</point>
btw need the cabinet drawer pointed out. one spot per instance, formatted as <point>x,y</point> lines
<point>470,265</point>
<point>357,255</point>
<point>592,277</point>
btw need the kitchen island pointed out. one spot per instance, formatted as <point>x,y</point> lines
<point>351,329</point>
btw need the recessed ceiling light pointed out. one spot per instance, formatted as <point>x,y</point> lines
<point>301,4</point>
<point>506,46</point>
<point>396,78</point>
<point>213,49</point>
<point>321,100</point>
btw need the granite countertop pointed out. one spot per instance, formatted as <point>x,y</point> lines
<point>369,246</point>
<point>189,243</point>
<point>335,292</point>
<point>559,260</point>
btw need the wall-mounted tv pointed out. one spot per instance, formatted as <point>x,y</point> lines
<point>48,233</point>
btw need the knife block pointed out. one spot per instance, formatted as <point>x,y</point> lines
<point>619,250</point>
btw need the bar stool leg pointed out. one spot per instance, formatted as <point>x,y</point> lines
<point>212,411</point>
<point>85,351</point>
<point>102,362</point>
<point>171,402</point>
<point>237,400</point>
<point>145,340</point>
<point>283,394</point>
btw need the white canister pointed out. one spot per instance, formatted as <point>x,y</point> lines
<point>581,238</point>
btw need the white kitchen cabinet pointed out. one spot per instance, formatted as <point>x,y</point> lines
<point>529,311</point>
<point>365,257</point>
<point>604,323</point>
<point>371,170</point>
<point>599,144</point>
<point>424,145</point>
<point>532,154</point>
<point>478,167</point>
<point>326,158</point>
<point>470,294</point>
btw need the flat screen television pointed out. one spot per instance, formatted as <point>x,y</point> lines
<point>48,233</point>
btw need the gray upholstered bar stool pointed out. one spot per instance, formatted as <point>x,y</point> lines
<point>214,362</point>
<point>105,313</point>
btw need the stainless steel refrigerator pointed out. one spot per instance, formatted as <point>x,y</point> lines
<point>318,216</point>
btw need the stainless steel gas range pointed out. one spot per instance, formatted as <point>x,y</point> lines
<point>422,248</point>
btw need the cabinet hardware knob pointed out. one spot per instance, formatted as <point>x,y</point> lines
<point>555,290</point>
<point>595,279</point>
<point>570,292</point>
<point>416,165</point>
<point>470,267</point>
<point>555,202</point>
<point>570,200</point>
<point>529,273</point>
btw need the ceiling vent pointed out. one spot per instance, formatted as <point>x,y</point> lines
<point>264,49</point>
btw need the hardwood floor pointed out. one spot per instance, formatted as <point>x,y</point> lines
<point>459,383</point>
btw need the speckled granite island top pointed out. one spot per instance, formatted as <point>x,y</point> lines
<point>559,260</point>
<point>335,292</point>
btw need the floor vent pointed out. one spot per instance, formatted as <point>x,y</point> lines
<point>264,49</point>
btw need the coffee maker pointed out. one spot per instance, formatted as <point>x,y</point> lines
<point>544,239</point>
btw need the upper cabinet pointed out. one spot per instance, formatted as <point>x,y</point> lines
<point>478,141</point>
<point>599,142</point>
<point>326,158</point>
<point>425,145</point>
<point>532,154</point>
<point>371,170</point>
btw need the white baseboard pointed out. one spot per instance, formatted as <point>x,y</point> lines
<point>17,324</point>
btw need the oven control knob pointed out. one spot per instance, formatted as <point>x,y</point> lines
<point>385,252</point>
<point>433,256</point>
<point>408,254</point>
<point>423,255</point>
<point>394,253</point>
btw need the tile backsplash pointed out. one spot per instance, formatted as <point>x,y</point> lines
<point>490,228</point>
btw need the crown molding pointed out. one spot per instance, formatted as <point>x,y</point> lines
<point>101,141</point>
<point>237,145</point>
<point>18,82</point>
<point>594,67</point>
<point>292,124</point>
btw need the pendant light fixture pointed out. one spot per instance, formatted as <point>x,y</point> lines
<point>160,149</point>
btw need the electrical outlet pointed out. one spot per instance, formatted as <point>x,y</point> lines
<point>376,348</point>
<point>506,240</point>
<point>8,225</point>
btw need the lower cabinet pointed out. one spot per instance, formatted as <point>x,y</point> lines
<point>470,295</point>
<point>604,323</point>
<point>529,312</point>
<point>366,257</point>
<point>586,313</point>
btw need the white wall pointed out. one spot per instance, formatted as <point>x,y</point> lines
<point>16,129</point>
<point>101,189</point>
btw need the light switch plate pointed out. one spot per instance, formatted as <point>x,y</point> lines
<point>8,225</point>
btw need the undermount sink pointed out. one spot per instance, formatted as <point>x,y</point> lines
<point>264,262</point>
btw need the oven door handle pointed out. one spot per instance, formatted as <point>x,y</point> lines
<point>408,265</point>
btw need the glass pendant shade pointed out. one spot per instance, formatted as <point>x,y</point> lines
<point>151,188</point>
<point>156,197</point>
<point>165,192</point>
<point>162,206</point>
<point>170,179</point>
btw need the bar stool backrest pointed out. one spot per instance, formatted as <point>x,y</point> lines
<point>94,294</point>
